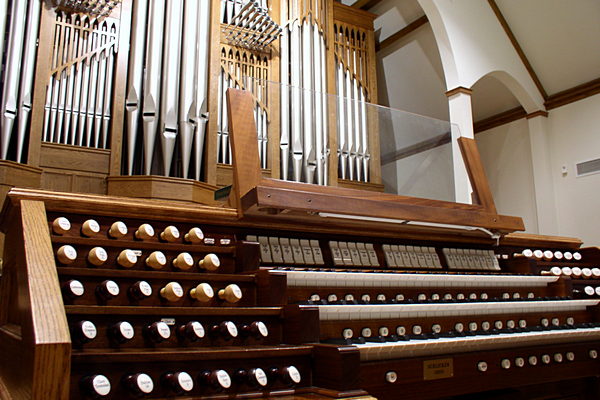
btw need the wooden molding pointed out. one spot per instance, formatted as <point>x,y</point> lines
<point>571,95</point>
<point>539,113</point>
<point>401,33</point>
<point>365,4</point>
<point>518,48</point>
<point>499,119</point>
<point>457,90</point>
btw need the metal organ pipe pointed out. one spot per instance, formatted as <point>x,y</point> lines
<point>187,101</point>
<point>170,79</point>
<point>26,91</point>
<point>11,74</point>
<point>152,82</point>
<point>303,115</point>
<point>201,84</point>
<point>135,78</point>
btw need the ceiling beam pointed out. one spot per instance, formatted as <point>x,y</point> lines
<point>518,48</point>
<point>401,33</point>
<point>575,93</point>
<point>365,4</point>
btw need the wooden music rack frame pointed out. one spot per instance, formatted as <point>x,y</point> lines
<point>254,195</point>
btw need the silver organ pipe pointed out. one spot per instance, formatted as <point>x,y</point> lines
<point>12,73</point>
<point>353,144</point>
<point>303,110</point>
<point>152,83</point>
<point>201,84</point>
<point>135,78</point>
<point>188,109</point>
<point>26,90</point>
<point>167,82</point>
<point>79,88</point>
<point>170,79</point>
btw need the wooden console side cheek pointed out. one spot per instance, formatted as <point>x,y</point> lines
<point>42,345</point>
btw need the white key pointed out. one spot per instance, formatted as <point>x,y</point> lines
<point>275,250</point>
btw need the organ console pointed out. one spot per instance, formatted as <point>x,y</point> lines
<point>321,310</point>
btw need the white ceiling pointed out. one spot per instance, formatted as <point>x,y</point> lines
<point>560,38</point>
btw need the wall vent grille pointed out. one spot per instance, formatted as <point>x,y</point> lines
<point>588,167</point>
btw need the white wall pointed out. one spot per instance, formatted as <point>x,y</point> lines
<point>410,76</point>
<point>506,157</point>
<point>574,136</point>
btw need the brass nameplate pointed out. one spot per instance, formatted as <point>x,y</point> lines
<point>438,369</point>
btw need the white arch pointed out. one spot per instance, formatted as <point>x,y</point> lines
<point>473,44</point>
<point>516,89</point>
<point>443,43</point>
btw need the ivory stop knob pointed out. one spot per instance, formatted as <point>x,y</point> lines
<point>145,231</point>
<point>170,234</point>
<point>117,230</point>
<point>84,332</point>
<point>210,262</point>
<point>139,384</point>
<point>96,386</point>
<point>73,289</point>
<point>291,375</point>
<point>90,228</point>
<point>203,292</point>
<point>97,256</point>
<point>172,291</point>
<point>66,254</point>
<point>194,235</point>
<point>183,261</point>
<point>179,382</point>
<point>127,258</point>
<point>61,225</point>
<point>156,260</point>
<point>231,294</point>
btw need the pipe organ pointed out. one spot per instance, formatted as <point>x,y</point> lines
<point>306,285</point>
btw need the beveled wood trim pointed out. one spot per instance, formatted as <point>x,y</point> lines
<point>479,182</point>
<point>118,92</point>
<point>457,90</point>
<point>573,94</point>
<point>43,65</point>
<point>539,113</point>
<point>499,119</point>
<point>542,241</point>
<point>365,4</point>
<point>518,49</point>
<point>105,205</point>
<point>413,26</point>
<point>361,18</point>
<point>46,327</point>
